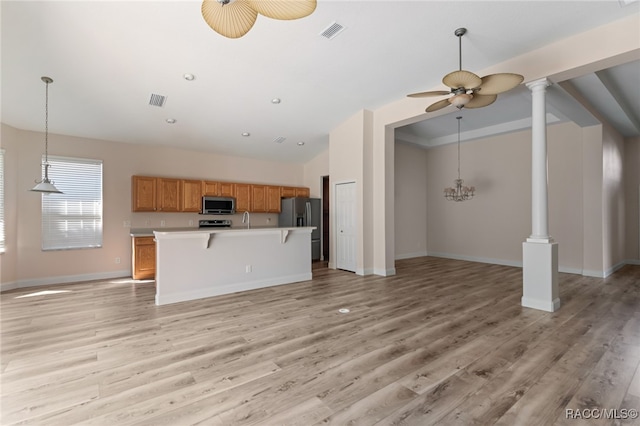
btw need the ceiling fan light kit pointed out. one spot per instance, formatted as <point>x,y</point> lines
<point>467,89</point>
<point>234,18</point>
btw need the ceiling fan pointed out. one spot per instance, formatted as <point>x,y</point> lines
<point>234,18</point>
<point>469,90</point>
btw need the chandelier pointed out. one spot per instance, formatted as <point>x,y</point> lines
<point>460,192</point>
<point>45,185</point>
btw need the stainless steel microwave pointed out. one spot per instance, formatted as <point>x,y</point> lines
<point>218,205</point>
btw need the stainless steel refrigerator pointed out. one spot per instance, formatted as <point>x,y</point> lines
<point>303,212</point>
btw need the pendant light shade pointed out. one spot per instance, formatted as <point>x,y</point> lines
<point>45,185</point>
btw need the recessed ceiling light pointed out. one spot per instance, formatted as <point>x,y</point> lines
<point>300,143</point>
<point>276,100</point>
<point>189,77</point>
<point>245,134</point>
<point>171,120</point>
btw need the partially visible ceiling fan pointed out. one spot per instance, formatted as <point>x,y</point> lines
<point>234,18</point>
<point>469,90</point>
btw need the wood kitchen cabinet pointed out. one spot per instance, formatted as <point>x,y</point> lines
<point>143,258</point>
<point>227,189</point>
<point>168,197</point>
<point>294,191</point>
<point>242,192</point>
<point>210,188</point>
<point>143,193</point>
<point>152,194</point>
<point>191,195</point>
<point>265,199</point>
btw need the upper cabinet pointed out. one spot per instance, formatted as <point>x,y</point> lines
<point>242,192</point>
<point>157,194</point>
<point>294,191</point>
<point>191,195</point>
<point>168,197</point>
<point>143,194</point>
<point>210,188</point>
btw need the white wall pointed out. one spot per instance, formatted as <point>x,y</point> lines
<point>25,263</point>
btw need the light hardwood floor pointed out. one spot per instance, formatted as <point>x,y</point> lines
<point>442,342</point>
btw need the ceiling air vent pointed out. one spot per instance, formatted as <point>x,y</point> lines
<point>279,139</point>
<point>157,100</point>
<point>332,30</point>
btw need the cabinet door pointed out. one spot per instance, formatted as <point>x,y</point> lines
<point>258,198</point>
<point>210,188</point>
<point>143,193</point>
<point>168,195</point>
<point>287,192</point>
<point>243,196</point>
<point>143,260</point>
<point>191,195</point>
<point>226,189</point>
<point>302,192</point>
<point>273,199</point>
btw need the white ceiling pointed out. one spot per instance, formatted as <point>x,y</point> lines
<point>107,57</point>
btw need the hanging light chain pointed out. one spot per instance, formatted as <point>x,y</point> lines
<point>47,80</point>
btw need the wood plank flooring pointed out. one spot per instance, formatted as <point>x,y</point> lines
<point>442,342</point>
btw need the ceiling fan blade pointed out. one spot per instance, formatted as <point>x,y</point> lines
<point>284,9</point>
<point>462,78</point>
<point>480,101</point>
<point>232,20</point>
<point>494,84</point>
<point>427,94</point>
<point>438,105</point>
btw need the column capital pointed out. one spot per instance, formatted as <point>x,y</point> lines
<point>541,83</point>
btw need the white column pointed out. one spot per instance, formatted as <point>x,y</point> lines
<point>540,253</point>
<point>539,207</point>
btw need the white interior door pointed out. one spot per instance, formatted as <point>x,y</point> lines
<point>346,219</point>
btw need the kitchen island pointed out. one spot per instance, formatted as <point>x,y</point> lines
<point>193,264</point>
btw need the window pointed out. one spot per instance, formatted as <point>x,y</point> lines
<point>73,219</point>
<point>1,200</point>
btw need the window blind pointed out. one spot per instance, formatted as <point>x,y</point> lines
<point>2,201</point>
<point>73,219</point>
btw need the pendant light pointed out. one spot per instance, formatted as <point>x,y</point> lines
<point>459,193</point>
<point>45,185</point>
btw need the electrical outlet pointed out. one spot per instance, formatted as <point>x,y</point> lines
<point>162,223</point>
<point>191,222</point>
<point>126,224</point>
<point>117,260</point>
<point>268,220</point>
<point>247,269</point>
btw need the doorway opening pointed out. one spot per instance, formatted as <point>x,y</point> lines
<point>325,218</point>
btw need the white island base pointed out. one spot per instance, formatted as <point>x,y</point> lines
<point>203,263</point>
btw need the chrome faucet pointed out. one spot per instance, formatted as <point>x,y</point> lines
<point>246,219</point>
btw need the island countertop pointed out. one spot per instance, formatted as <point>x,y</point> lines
<point>149,232</point>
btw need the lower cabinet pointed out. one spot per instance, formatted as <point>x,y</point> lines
<point>143,258</point>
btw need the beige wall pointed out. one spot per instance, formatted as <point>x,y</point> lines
<point>410,201</point>
<point>346,164</point>
<point>632,204</point>
<point>26,264</point>
<point>587,201</point>
<point>314,170</point>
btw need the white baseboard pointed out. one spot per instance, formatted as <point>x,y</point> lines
<point>64,279</point>
<point>411,255</point>
<point>632,262</point>
<point>517,264</point>
<point>385,272</point>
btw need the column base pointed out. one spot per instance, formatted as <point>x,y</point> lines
<point>540,276</point>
